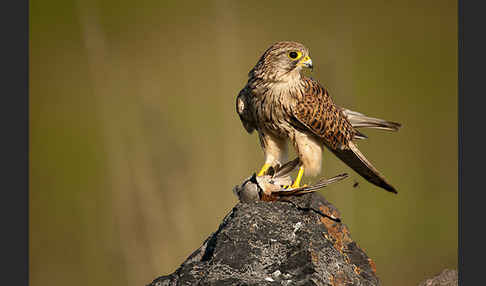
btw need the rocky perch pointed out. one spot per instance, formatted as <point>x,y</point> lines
<point>296,240</point>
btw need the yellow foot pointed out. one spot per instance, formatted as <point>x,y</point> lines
<point>296,183</point>
<point>264,170</point>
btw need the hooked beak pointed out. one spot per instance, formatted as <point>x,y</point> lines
<point>306,62</point>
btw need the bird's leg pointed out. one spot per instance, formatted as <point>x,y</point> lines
<point>296,183</point>
<point>264,169</point>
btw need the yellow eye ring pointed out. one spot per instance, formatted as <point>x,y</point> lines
<point>295,55</point>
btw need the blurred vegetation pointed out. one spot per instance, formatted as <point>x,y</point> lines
<point>135,143</point>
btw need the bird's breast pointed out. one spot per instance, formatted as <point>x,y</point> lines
<point>273,108</point>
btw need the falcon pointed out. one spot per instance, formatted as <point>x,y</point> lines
<point>283,105</point>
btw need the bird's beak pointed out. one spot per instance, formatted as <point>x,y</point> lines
<point>306,62</point>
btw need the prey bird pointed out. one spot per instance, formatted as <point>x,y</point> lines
<point>283,105</point>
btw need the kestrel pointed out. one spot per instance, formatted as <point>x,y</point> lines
<point>283,105</point>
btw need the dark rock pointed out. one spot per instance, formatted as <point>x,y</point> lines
<point>299,241</point>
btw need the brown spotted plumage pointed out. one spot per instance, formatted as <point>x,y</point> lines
<point>281,104</point>
<point>318,113</point>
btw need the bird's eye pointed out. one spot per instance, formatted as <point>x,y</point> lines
<point>295,55</point>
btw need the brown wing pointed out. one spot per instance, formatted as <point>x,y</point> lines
<point>316,111</point>
<point>243,110</point>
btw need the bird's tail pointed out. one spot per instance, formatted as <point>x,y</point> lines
<point>359,120</point>
<point>357,161</point>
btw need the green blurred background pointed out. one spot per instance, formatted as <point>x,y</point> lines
<point>135,144</point>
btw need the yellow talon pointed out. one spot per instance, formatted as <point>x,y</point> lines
<point>264,169</point>
<point>296,183</point>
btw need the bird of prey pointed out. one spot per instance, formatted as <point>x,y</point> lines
<point>283,105</point>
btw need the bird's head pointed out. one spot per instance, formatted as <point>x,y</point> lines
<point>283,60</point>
